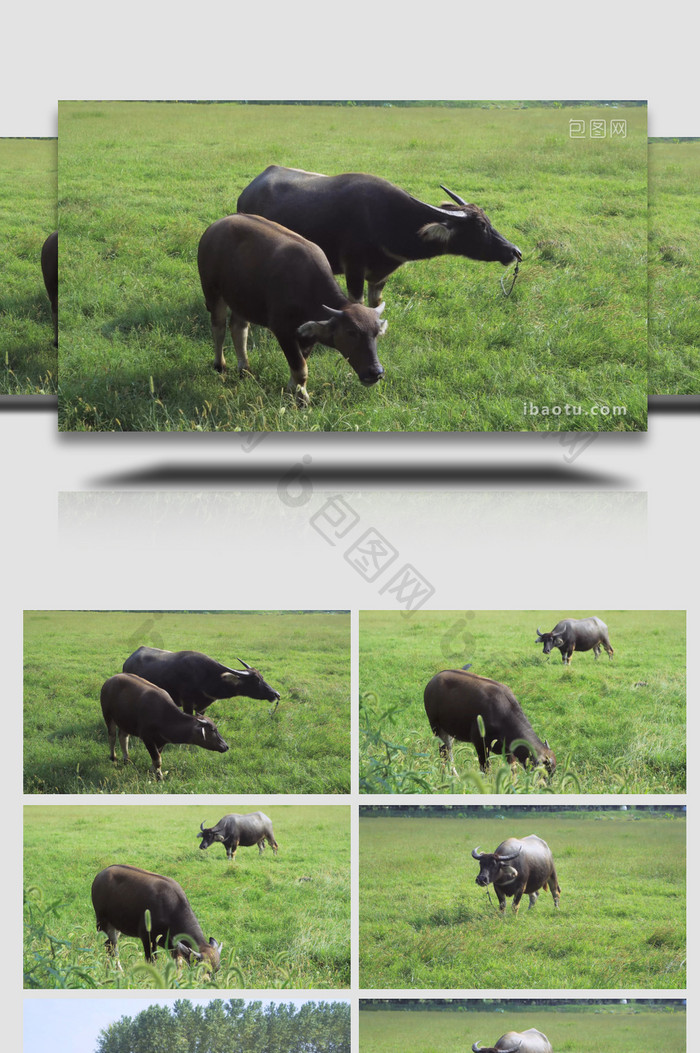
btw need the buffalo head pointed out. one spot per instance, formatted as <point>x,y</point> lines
<point>353,331</point>
<point>494,867</point>
<point>255,685</point>
<point>549,640</point>
<point>467,231</point>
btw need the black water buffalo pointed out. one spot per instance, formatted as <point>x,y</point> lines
<point>49,270</point>
<point>122,894</point>
<point>530,1041</point>
<point>233,830</point>
<point>576,634</point>
<point>194,680</point>
<point>519,865</point>
<point>368,227</point>
<point>271,276</point>
<point>454,701</point>
<point>133,706</point>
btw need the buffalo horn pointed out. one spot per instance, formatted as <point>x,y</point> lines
<point>242,663</point>
<point>475,1047</point>
<point>378,310</point>
<point>546,745</point>
<point>201,827</point>
<point>504,859</point>
<point>476,853</point>
<point>332,310</point>
<point>539,632</point>
<point>455,197</point>
<point>184,948</point>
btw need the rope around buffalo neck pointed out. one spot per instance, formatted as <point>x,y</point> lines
<point>515,275</point>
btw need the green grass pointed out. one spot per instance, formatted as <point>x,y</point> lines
<point>140,182</point>
<point>302,747</point>
<point>571,1029</point>
<point>674,262</point>
<point>284,920</point>
<point>28,359</point>
<point>424,923</point>
<point>616,726</point>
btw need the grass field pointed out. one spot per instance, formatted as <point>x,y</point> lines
<point>301,747</point>
<point>616,726</point>
<point>674,265</point>
<point>28,359</point>
<point>284,920</point>
<point>424,923</point>
<point>140,182</point>
<point>571,1028</point>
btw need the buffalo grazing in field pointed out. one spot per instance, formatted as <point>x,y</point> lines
<point>530,1041</point>
<point>134,706</point>
<point>367,227</point>
<point>194,680</point>
<point>455,699</point>
<point>122,894</point>
<point>576,634</point>
<point>517,866</point>
<point>234,830</point>
<point>49,270</point>
<point>271,276</point>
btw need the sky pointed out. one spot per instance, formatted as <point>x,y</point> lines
<point>66,1024</point>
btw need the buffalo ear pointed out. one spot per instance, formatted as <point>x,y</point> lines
<point>435,232</point>
<point>315,330</point>
<point>230,678</point>
<point>383,326</point>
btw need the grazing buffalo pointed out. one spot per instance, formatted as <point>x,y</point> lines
<point>368,227</point>
<point>49,269</point>
<point>233,830</point>
<point>576,634</point>
<point>530,1041</point>
<point>194,680</point>
<point>122,894</point>
<point>454,701</point>
<point>518,865</point>
<point>133,706</point>
<point>273,277</point>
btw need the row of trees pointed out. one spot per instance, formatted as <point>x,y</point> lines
<point>233,1026</point>
<point>495,811</point>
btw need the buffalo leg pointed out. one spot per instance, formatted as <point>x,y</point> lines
<point>374,292</point>
<point>156,758</point>
<point>446,750</point>
<point>596,652</point>
<point>239,335</point>
<point>355,282</point>
<point>533,899</point>
<point>273,845</point>
<point>124,743</point>
<point>112,732</point>
<point>261,845</point>
<point>501,900</point>
<point>111,942</point>
<point>218,312</point>
<point>516,899</point>
<point>298,370</point>
<point>554,887</point>
<point>231,851</point>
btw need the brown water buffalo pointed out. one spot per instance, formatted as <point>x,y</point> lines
<point>368,227</point>
<point>518,865</point>
<point>455,700</point>
<point>234,830</point>
<point>576,634</point>
<point>49,269</point>
<point>271,276</point>
<point>194,680</point>
<point>530,1041</point>
<point>122,894</point>
<point>134,706</point>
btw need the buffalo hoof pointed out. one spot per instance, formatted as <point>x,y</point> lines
<point>220,367</point>
<point>245,371</point>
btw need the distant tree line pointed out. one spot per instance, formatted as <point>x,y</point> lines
<point>496,811</point>
<point>232,1026</point>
